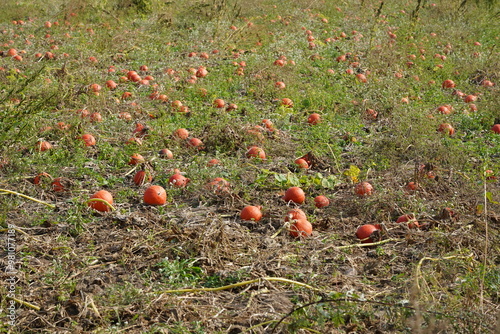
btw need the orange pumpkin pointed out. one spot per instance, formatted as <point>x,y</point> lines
<point>363,189</point>
<point>365,232</point>
<point>88,139</point>
<point>256,152</point>
<point>295,214</point>
<point>142,177</point>
<point>155,195</point>
<point>98,205</point>
<point>251,212</point>
<point>295,194</point>
<point>321,201</point>
<point>178,180</point>
<point>43,146</point>
<point>301,228</point>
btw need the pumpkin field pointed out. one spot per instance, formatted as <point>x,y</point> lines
<point>230,166</point>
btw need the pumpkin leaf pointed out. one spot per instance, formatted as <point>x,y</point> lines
<point>262,177</point>
<point>281,178</point>
<point>329,182</point>
<point>293,180</point>
<point>304,179</point>
<point>489,197</point>
<point>352,173</point>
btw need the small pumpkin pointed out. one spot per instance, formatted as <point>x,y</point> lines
<point>250,212</point>
<point>155,195</point>
<point>295,194</point>
<point>98,205</point>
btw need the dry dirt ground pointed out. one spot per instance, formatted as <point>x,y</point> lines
<point>111,276</point>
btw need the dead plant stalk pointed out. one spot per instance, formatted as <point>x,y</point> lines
<point>418,270</point>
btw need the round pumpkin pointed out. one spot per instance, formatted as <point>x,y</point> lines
<point>295,194</point>
<point>251,212</point>
<point>155,195</point>
<point>301,228</point>
<point>98,205</point>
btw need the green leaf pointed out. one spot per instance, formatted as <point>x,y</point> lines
<point>263,175</point>
<point>352,173</point>
<point>330,182</point>
<point>304,179</point>
<point>281,178</point>
<point>317,181</point>
<point>489,197</point>
<point>293,180</point>
<point>306,103</point>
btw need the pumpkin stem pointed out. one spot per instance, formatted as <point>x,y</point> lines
<point>102,201</point>
<point>5,191</point>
